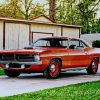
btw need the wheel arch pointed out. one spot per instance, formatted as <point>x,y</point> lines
<point>97,58</point>
<point>48,74</point>
<point>90,69</point>
<point>59,59</point>
<point>93,59</point>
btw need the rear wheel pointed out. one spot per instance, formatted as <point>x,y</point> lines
<point>11,73</point>
<point>53,69</point>
<point>93,68</point>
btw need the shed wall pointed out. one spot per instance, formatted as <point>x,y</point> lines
<point>46,29</point>
<point>1,35</point>
<point>71,32</point>
<point>16,35</point>
<point>42,19</point>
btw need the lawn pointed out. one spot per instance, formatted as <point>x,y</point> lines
<point>84,91</point>
<point>1,72</point>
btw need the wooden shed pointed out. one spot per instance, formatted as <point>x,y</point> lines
<point>16,34</point>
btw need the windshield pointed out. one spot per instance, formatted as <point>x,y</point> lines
<point>50,43</point>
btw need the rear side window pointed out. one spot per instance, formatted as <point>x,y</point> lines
<point>76,44</point>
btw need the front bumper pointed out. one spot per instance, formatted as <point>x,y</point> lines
<point>21,63</point>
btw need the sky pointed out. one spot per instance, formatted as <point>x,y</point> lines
<point>40,1</point>
<point>43,1</point>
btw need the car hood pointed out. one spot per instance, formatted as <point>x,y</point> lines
<point>35,50</point>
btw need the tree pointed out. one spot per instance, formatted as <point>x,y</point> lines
<point>10,9</point>
<point>24,9</point>
<point>52,9</point>
<point>98,25</point>
<point>30,10</point>
<point>87,12</point>
<point>81,12</point>
<point>36,10</point>
<point>66,12</point>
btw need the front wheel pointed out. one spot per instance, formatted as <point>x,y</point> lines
<point>11,73</point>
<point>53,69</point>
<point>93,68</point>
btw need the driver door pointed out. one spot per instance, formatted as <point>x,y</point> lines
<point>77,56</point>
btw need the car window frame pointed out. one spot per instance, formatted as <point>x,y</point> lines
<point>51,40</point>
<point>73,39</point>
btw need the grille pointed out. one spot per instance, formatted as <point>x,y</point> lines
<point>7,57</point>
<point>17,57</point>
<point>0,57</point>
<point>26,57</point>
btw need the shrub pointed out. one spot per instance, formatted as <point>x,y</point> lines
<point>96,43</point>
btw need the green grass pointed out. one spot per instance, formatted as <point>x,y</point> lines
<point>84,91</point>
<point>1,72</point>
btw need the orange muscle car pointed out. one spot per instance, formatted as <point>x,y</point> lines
<point>51,56</point>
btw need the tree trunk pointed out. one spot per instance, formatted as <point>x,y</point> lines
<point>52,9</point>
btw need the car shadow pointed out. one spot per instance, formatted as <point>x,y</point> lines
<point>62,75</point>
<point>39,76</point>
<point>71,74</point>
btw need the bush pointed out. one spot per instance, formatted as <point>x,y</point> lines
<point>96,43</point>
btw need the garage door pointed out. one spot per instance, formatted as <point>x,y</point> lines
<point>37,35</point>
<point>16,35</point>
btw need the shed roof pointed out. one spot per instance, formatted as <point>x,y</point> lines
<point>38,22</point>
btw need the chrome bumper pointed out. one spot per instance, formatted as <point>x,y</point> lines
<point>21,63</point>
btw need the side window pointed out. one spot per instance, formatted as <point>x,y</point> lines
<point>76,44</point>
<point>64,43</point>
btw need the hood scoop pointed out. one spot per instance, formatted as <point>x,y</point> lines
<point>28,47</point>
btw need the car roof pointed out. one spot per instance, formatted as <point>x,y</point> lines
<point>56,38</point>
<point>69,38</point>
<point>61,37</point>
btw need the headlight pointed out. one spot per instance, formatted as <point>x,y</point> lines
<point>36,58</point>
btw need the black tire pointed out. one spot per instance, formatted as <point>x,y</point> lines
<point>11,73</point>
<point>93,68</point>
<point>52,73</point>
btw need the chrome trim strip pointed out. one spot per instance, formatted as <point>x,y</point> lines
<point>74,69</point>
<point>21,63</point>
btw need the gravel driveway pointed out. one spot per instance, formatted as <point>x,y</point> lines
<point>34,82</point>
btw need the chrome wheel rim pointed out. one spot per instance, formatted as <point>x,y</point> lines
<point>52,68</point>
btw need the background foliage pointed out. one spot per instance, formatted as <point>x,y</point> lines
<point>80,12</point>
<point>96,43</point>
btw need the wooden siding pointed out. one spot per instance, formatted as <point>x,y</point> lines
<point>16,36</point>
<point>23,36</point>
<point>71,32</point>
<point>1,35</point>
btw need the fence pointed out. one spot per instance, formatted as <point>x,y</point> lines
<point>90,37</point>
